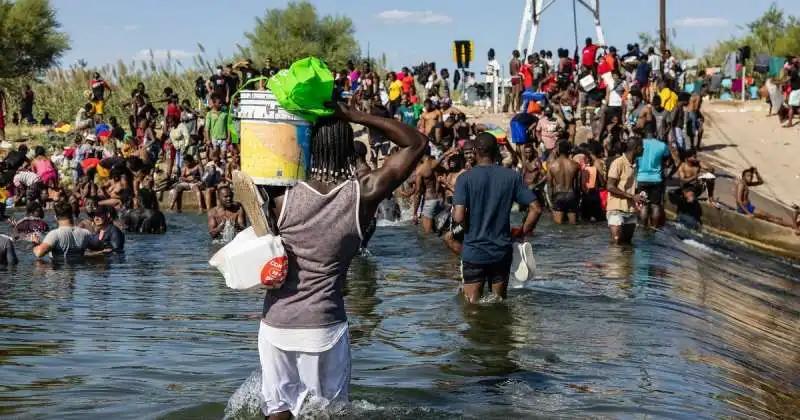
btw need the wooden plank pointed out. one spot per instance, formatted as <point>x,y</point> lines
<point>247,193</point>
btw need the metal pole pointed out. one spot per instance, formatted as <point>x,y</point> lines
<point>575,22</point>
<point>662,33</point>
<point>744,86</point>
<point>526,19</point>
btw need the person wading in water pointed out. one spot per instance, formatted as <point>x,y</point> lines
<point>228,212</point>
<point>483,200</point>
<point>564,183</point>
<point>303,337</point>
<point>622,197</point>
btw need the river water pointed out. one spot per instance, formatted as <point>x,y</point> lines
<point>671,328</point>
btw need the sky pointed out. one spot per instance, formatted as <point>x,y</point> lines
<point>408,32</point>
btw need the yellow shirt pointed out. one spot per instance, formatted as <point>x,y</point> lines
<point>395,90</point>
<point>622,170</point>
<point>668,99</point>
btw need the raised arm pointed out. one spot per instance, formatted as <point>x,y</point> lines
<point>759,180</point>
<point>396,168</point>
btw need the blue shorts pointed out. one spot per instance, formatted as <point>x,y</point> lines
<point>751,209</point>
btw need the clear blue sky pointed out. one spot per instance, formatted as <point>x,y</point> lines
<point>408,32</point>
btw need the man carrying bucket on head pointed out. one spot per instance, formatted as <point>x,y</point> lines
<point>303,337</point>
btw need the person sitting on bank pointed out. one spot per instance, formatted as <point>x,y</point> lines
<point>752,178</point>
<point>698,175</point>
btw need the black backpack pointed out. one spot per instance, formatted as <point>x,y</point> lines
<point>200,89</point>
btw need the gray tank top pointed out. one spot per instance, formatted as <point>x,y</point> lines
<point>322,235</point>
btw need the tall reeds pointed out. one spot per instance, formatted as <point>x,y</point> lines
<point>63,91</point>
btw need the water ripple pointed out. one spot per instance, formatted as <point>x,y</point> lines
<point>677,326</point>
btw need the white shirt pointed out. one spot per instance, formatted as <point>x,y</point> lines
<point>307,340</point>
<point>669,66</point>
<point>492,70</point>
<point>655,63</point>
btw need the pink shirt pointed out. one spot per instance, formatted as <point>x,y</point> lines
<point>548,132</point>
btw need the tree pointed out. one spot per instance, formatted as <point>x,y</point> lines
<point>647,40</point>
<point>772,34</point>
<point>29,38</point>
<point>286,35</point>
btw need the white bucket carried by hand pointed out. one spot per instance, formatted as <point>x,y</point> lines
<point>523,264</point>
<point>250,261</point>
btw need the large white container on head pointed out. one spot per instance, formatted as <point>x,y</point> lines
<point>275,144</point>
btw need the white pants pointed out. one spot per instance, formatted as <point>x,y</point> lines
<point>289,377</point>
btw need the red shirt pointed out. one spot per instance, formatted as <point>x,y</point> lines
<point>174,111</point>
<point>408,82</point>
<point>527,75</point>
<point>548,83</point>
<point>589,53</point>
<point>88,163</point>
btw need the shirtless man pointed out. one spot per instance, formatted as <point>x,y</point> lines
<point>427,188</point>
<point>530,167</point>
<point>227,211</point>
<point>695,120</point>
<point>564,184</point>
<point>455,166</point>
<point>751,178</point>
<point>430,117</point>
<point>698,175</point>
<point>641,115</point>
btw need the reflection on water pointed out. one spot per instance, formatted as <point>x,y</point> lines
<point>668,328</point>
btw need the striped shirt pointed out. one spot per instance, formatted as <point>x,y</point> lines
<point>25,178</point>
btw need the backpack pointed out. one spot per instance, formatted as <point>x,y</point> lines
<point>200,90</point>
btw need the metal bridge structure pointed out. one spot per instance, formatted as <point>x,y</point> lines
<point>532,19</point>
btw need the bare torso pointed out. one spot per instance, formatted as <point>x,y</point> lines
<point>564,174</point>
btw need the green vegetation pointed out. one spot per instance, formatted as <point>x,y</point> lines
<point>29,37</point>
<point>284,35</point>
<point>647,40</point>
<point>774,34</point>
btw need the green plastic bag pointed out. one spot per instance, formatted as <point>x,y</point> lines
<point>304,88</point>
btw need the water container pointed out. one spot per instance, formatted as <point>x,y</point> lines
<point>275,144</point>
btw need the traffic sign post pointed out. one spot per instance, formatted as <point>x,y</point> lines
<point>463,53</point>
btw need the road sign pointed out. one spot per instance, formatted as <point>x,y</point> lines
<point>463,53</point>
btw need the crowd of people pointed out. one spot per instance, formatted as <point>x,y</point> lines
<point>114,176</point>
<point>462,180</point>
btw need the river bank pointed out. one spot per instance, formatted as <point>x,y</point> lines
<point>738,137</point>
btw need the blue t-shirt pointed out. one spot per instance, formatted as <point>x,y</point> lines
<point>488,191</point>
<point>408,115</point>
<point>642,72</point>
<point>651,162</point>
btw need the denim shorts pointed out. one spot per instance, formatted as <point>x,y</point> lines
<point>430,208</point>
